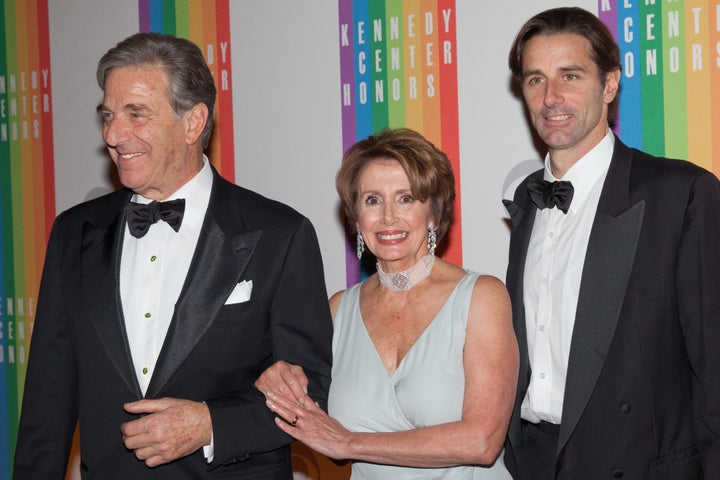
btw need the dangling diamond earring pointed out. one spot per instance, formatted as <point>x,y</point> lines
<point>432,240</point>
<point>360,245</point>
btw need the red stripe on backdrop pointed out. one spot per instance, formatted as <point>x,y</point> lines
<point>47,124</point>
<point>449,119</point>
<point>224,85</point>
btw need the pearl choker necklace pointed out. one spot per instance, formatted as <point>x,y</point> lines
<point>407,279</point>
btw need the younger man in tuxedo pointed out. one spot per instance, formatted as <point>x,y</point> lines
<point>614,275</point>
<point>161,303</point>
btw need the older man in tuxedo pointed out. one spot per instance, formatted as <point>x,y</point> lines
<point>161,303</point>
<point>614,275</point>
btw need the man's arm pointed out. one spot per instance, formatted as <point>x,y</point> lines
<point>698,285</point>
<point>301,331</point>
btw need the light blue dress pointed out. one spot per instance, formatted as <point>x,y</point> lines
<point>426,389</point>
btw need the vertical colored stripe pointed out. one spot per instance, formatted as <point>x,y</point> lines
<point>195,19</point>
<point>395,68</point>
<point>674,79</point>
<point>714,48</point>
<point>697,67</point>
<point>144,15</point>
<point>651,62</point>
<point>430,82</point>
<point>414,111</point>
<point>182,20</point>
<point>449,123</point>
<point>348,88</point>
<point>6,253</point>
<point>168,17</point>
<point>377,64</point>
<point>609,15</point>
<point>14,230</point>
<point>225,98</point>
<point>363,110</point>
<point>348,95</point>
<point>629,33</point>
<point>48,161</point>
<point>208,44</point>
<point>156,16</point>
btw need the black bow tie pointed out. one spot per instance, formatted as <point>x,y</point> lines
<point>546,194</point>
<point>140,216</point>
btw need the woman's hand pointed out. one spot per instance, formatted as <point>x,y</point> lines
<point>311,425</point>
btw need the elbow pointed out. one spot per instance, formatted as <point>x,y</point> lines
<point>485,451</point>
<point>489,455</point>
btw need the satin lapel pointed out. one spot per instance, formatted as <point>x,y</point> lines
<point>522,219</point>
<point>217,266</point>
<point>100,265</point>
<point>606,272</point>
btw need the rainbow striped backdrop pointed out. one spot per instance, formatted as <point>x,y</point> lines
<point>207,23</point>
<point>398,68</point>
<point>27,195</point>
<point>670,87</point>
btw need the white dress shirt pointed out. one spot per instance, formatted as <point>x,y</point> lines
<point>551,283</point>
<point>152,272</point>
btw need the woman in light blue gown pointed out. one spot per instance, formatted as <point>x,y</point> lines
<point>424,355</point>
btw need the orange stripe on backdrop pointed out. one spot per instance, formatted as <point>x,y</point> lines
<point>697,69</point>
<point>224,113</point>
<point>35,171</point>
<point>209,37</point>
<point>413,67</point>
<point>430,82</point>
<point>195,15</point>
<point>715,81</point>
<point>447,59</point>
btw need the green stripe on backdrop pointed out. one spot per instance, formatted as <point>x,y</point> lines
<point>12,225</point>
<point>674,79</point>
<point>182,19</point>
<point>6,260</point>
<point>651,71</point>
<point>395,26</point>
<point>377,63</point>
<point>168,9</point>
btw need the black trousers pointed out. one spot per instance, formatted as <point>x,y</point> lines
<point>539,451</point>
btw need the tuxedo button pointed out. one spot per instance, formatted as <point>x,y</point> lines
<point>625,408</point>
<point>617,474</point>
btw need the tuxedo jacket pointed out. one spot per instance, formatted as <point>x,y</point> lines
<point>80,367</point>
<point>642,396</point>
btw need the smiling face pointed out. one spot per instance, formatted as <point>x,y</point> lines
<point>392,223</point>
<point>565,97</point>
<point>155,152</point>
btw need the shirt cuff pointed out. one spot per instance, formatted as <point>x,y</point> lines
<point>209,450</point>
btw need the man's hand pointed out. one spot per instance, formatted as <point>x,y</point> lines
<point>284,379</point>
<point>170,429</point>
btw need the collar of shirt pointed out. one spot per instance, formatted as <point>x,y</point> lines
<point>586,171</point>
<point>196,193</point>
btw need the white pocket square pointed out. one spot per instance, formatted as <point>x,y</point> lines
<point>241,293</point>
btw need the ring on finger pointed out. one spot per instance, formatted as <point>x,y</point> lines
<point>294,420</point>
